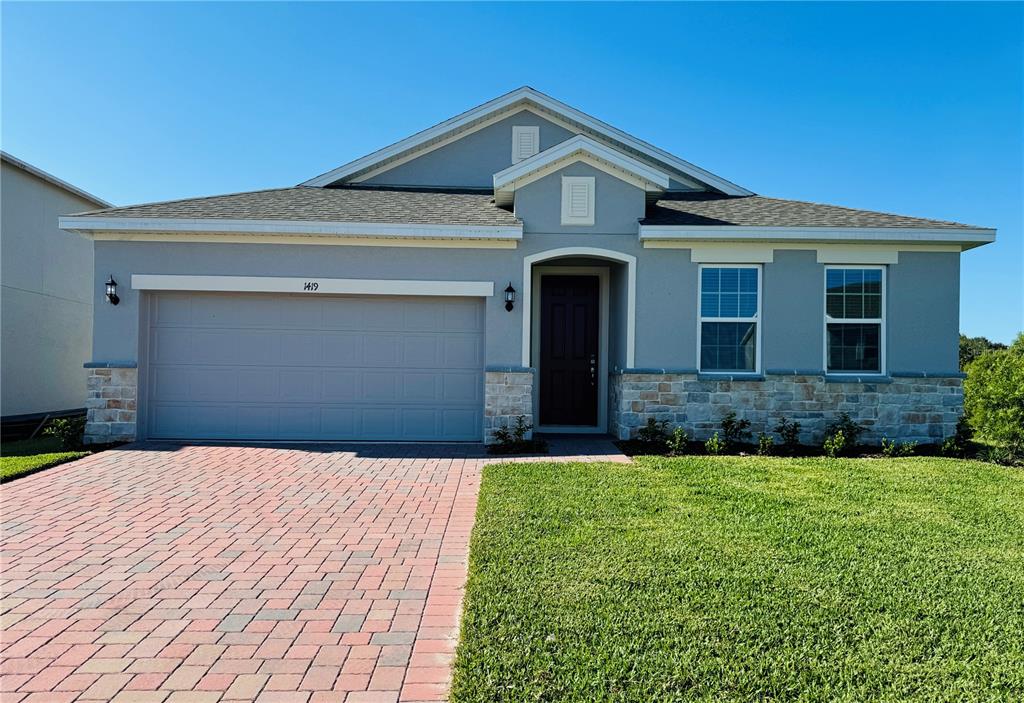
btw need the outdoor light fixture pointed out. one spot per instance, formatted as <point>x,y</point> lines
<point>112,291</point>
<point>510,297</point>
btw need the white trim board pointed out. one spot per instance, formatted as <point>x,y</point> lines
<point>604,307</point>
<point>325,240</point>
<point>593,252</point>
<point>966,237</point>
<point>87,224</point>
<point>522,97</point>
<point>311,285</point>
<point>52,180</point>
<point>578,148</point>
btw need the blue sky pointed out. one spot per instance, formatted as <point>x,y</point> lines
<point>909,108</point>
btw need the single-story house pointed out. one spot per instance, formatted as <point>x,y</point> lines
<point>46,297</point>
<point>520,259</point>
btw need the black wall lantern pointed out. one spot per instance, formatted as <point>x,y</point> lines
<point>510,297</point>
<point>112,291</point>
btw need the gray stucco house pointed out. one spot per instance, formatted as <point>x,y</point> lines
<point>46,296</point>
<point>521,258</point>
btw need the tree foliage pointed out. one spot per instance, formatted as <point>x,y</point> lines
<point>994,396</point>
<point>973,347</point>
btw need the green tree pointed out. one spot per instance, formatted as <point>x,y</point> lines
<point>994,396</point>
<point>973,347</point>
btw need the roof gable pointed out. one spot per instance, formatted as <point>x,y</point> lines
<point>579,148</point>
<point>547,107</point>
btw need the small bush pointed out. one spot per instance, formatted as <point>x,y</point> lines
<point>678,442</point>
<point>654,432</point>
<point>714,445</point>
<point>1000,455</point>
<point>69,431</point>
<point>734,431</point>
<point>765,444</point>
<point>851,430</point>
<point>897,449</point>
<point>957,445</point>
<point>835,444</point>
<point>994,396</point>
<point>789,432</point>
<point>514,441</point>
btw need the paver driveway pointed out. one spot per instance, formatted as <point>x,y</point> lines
<point>213,573</point>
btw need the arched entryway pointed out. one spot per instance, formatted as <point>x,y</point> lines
<point>572,337</point>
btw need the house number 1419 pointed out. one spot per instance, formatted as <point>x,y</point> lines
<point>310,286</point>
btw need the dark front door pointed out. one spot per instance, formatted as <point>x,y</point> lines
<point>568,350</point>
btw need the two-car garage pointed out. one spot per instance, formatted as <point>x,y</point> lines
<point>252,366</point>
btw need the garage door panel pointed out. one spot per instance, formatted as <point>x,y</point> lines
<point>461,351</point>
<point>381,350</point>
<point>256,385</point>
<point>250,366</point>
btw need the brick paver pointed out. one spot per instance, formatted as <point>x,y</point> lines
<point>160,572</point>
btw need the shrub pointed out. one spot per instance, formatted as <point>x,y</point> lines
<point>896,449</point>
<point>734,431</point>
<point>765,444</point>
<point>850,429</point>
<point>654,432</point>
<point>994,396</point>
<point>514,441</point>
<point>790,434</point>
<point>835,444</point>
<point>956,446</point>
<point>678,442</point>
<point>714,445</point>
<point>1000,455</point>
<point>68,431</point>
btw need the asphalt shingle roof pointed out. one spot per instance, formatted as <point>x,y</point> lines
<point>348,204</point>
<point>431,206</point>
<point>712,209</point>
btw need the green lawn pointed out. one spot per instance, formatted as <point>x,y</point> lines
<point>746,579</point>
<point>29,455</point>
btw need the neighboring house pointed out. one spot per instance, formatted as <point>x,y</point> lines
<point>47,295</point>
<point>369,303</point>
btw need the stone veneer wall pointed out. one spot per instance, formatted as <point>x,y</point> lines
<point>111,409</point>
<point>508,393</point>
<point>921,409</point>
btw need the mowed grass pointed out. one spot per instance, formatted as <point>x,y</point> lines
<point>746,579</point>
<point>30,455</point>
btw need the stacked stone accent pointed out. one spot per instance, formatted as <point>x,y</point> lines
<point>111,407</point>
<point>508,393</point>
<point>920,409</point>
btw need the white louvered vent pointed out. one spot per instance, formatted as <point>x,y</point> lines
<point>525,143</point>
<point>577,200</point>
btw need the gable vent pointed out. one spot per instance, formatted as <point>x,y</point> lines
<point>525,143</point>
<point>577,200</point>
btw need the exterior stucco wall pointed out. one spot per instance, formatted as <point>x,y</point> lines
<point>473,160</point>
<point>924,313</point>
<point>47,297</point>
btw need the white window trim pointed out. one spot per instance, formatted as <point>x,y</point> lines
<point>516,131</point>
<point>568,219</point>
<point>757,319</point>
<point>854,321</point>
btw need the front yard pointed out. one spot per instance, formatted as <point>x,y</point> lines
<point>742,578</point>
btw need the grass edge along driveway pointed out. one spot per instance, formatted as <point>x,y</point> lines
<point>27,456</point>
<point>743,578</point>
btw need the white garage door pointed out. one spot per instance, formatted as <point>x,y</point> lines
<point>281,367</point>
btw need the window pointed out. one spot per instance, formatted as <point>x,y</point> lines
<point>525,143</point>
<point>577,200</point>
<point>854,319</point>
<point>730,306</point>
